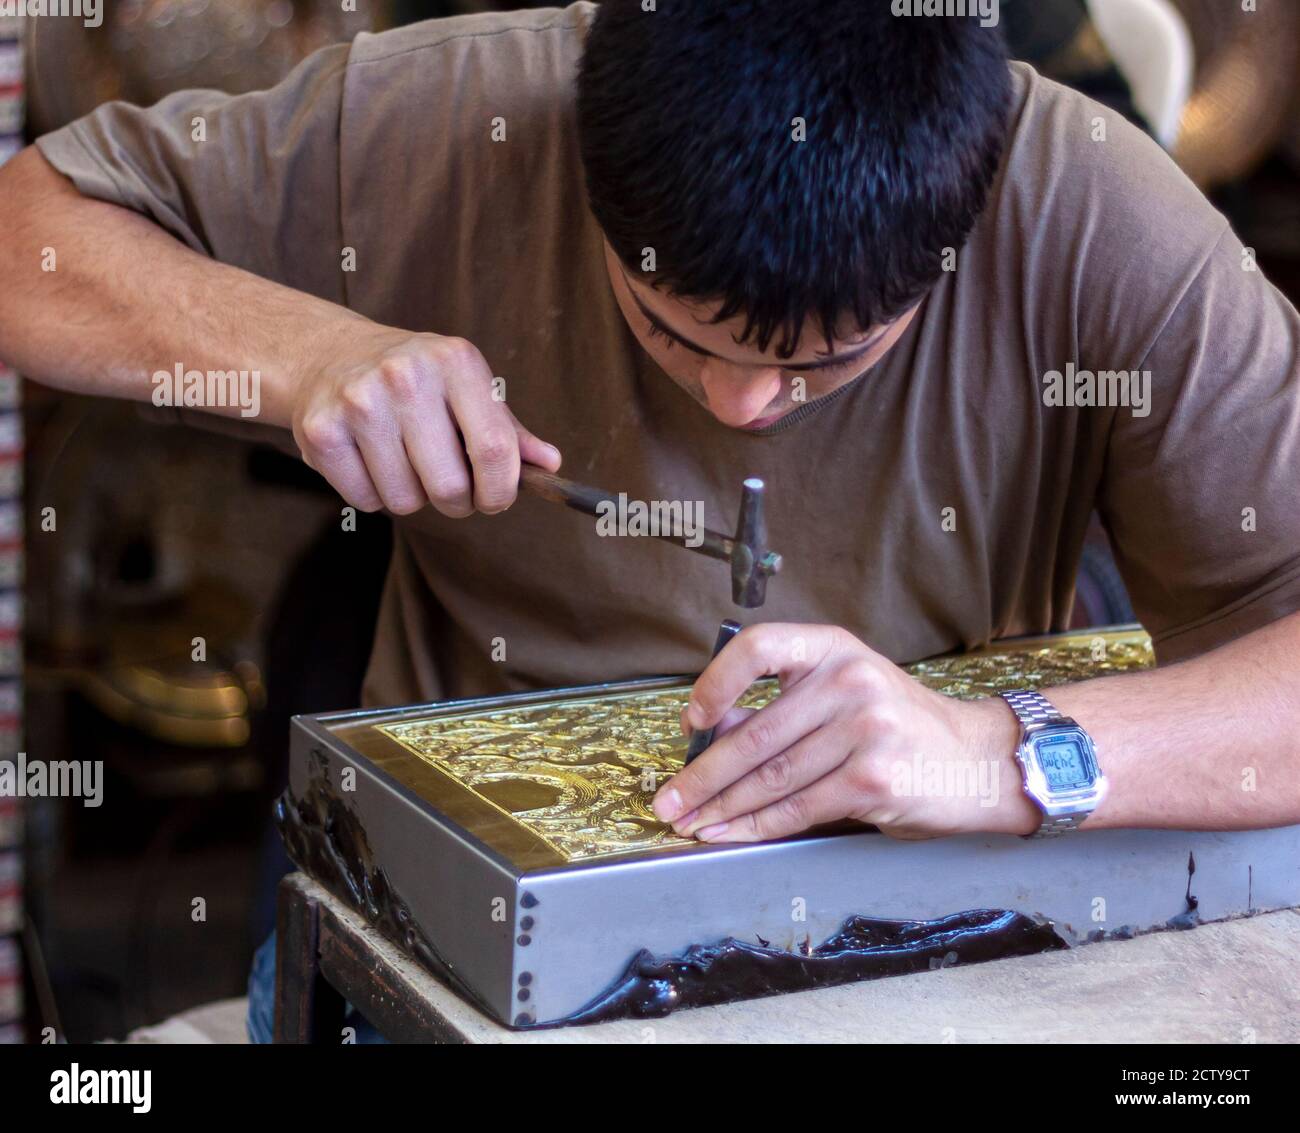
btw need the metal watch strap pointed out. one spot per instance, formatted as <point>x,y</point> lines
<point>1054,827</point>
<point>1033,709</point>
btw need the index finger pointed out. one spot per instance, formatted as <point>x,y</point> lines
<point>760,736</point>
<point>490,436</point>
<point>773,649</point>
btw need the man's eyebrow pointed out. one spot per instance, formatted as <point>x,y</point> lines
<point>837,360</point>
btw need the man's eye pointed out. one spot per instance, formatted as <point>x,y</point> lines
<point>654,332</point>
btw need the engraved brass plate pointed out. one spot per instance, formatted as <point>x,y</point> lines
<point>1037,663</point>
<point>578,774</point>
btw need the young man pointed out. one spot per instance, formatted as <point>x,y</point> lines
<point>854,253</point>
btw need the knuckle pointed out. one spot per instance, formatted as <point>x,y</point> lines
<point>359,401</point>
<point>401,376</point>
<point>453,509</point>
<point>772,648</point>
<point>881,719</point>
<point>840,639</point>
<point>450,485</point>
<point>792,811</point>
<point>452,503</point>
<point>776,773</point>
<point>458,353</point>
<point>494,449</point>
<point>453,346</point>
<point>451,496</point>
<point>701,705</point>
<point>866,776</point>
<point>857,677</point>
<point>494,497</point>
<point>755,642</point>
<point>405,505</point>
<point>692,785</point>
<point>755,738</point>
<point>490,504</point>
<point>841,643</point>
<point>320,432</point>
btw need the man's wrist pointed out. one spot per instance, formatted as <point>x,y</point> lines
<point>993,737</point>
<point>314,341</point>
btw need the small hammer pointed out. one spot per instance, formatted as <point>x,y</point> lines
<point>752,563</point>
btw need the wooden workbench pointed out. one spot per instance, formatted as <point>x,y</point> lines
<point>1232,982</point>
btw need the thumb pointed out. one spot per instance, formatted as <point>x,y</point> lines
<point>733,719</point>
<point>534,450</point>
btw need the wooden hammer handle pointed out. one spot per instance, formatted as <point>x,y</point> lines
<point>586,499</point>
<point>558,490</point>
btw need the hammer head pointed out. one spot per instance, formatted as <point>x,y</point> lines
<point>752,562</point>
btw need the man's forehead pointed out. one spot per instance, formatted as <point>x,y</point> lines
<point>693,323</point>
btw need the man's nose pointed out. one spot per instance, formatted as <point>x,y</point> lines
<point>738,394</point>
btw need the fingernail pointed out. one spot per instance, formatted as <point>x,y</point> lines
<point>667,805</point>
<point>712,831</point>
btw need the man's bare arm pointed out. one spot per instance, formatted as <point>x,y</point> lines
<point>377,410</point>
<point>126,300</point>
<point>1208,744</point>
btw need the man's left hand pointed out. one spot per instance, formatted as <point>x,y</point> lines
<point>852,736</point>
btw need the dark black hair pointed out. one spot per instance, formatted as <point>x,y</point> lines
<point>686,127</point>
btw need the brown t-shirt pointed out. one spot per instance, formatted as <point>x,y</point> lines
<point>1096,253</point>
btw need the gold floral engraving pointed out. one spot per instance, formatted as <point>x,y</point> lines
<point>579,773</point>
<point>1037,665</point>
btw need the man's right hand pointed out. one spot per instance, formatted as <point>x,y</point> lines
<point>399,420</point>
<point>391,419</point>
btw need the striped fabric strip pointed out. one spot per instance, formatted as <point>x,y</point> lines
<point>11,547</point>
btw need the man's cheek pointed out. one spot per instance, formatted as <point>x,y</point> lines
<point>683,371</point>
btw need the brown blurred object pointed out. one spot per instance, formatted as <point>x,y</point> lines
<point>160,537</point>
<point>1245,91</point>
<point>102,465</point>
<point>148,48</point>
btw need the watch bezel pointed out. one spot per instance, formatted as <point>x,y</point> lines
<point>1078,801</point>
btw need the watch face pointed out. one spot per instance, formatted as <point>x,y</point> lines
<point>1065,763</point>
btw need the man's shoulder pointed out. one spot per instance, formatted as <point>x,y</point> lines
<point>435,87</point>
<point>505,34</point>
<point>460,171</point>
<point>1086,178</point>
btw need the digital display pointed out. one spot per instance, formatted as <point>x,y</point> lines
<point>1064,763</point>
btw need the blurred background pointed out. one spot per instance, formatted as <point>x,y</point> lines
<point>158,528</point>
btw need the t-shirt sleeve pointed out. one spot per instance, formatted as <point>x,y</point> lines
<point>1202,494</point>
<point>251,179</point>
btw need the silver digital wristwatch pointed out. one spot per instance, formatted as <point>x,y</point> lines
<point>1058,762</point>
